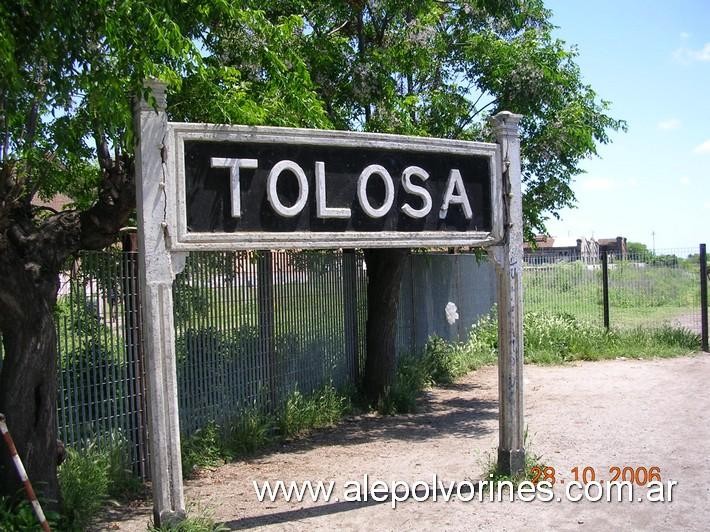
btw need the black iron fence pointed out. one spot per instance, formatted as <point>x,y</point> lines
<point>646,289</point>
<point>252,327</point>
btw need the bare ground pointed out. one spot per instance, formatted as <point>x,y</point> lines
<point>599,414</point>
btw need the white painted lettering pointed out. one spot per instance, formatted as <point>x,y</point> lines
<point>455,184</point>
<point>234,165</point>
<point>322,210</point>
<point>375,169</point>
<point>416,190</point>
<point>272,192</point>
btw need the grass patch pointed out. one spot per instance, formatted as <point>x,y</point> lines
<point>302,414</point>
<point>440,363</point>
<point>555,339</point>
<point>254,429</point>
<point>533,466</point>
<point>196,521</point>
<point>549,339</point>
<point>91,476</point>
<point>205,447</point>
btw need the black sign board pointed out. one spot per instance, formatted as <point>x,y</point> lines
<point>268,187</point>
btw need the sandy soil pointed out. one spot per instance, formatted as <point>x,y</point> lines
<point>599,414</point>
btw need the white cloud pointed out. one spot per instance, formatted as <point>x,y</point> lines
<point>684,180</point>
<point>671,123</point>
<point>597,183</point>
<point>706,204</point>
<point>703,147</point>
<point>688,55</point>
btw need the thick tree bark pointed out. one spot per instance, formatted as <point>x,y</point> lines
<point>28,382</point>
<point>32,253</point>
<point>384,276</point>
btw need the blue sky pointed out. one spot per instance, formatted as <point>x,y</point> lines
<point>652,61</point>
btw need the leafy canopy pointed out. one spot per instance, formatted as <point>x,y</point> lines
<point>422,67</point>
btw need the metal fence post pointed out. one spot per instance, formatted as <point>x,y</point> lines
<point>350,311</point>
<point>703,298</point>
<point>133,335</point>
<point>265,291</point>
<point>605,287</point>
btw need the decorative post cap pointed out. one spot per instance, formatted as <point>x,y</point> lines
<point>506,124</point>
<point>158,90</point>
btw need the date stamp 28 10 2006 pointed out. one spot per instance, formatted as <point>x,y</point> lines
<point>640,476</point>
<point>585,482</point>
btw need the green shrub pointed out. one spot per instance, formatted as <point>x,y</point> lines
<point>84,484</point>
<point>441,362</point>
<point>251,431</point>
<point>204,448</point>
<point>20,517</point>
<point>123,483</point>
<point>411,378</point>
<point>554,339</point>
<point>302,413</point>
<point>549,339</point>
<point>92,475</point>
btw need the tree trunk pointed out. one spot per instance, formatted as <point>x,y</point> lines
<point>28,380</point>
<point>384,276</point>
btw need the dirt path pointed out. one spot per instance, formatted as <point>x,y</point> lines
<point>599,414</point>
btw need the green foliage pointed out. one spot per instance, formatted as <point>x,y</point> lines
<point>92,475</point>
<point>411,378</point>
<point>20,517</point>
<point>424,68</point>
<point>440,363</point>
<point>447,362</point>
<point>549,339</point>
<point>253,430</point>
<point>303,413</point>
<point>554,339</point>
<point>494,474</point>
<point>638,251</point>
<point>204,448</point>
<point>639,292</point>
<point>68,74</point>
<point>657,285</point>
<point>84,483</point>
<point>198,520</point>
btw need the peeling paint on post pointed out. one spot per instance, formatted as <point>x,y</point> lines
<point>508,258</point>
<point>157,269</point>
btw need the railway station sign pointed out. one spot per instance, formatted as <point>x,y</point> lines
<point>243,187</point>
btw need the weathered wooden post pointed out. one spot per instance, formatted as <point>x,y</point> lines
<point>157,268</point>
<point>508,259</point>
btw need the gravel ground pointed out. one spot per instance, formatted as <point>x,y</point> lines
<point>638,413</point>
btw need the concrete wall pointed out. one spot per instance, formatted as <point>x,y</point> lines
<point>429,284</point>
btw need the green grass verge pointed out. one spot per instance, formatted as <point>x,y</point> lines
<point>92,476</point>
<point>197,520</point>
<point>254,429</point>
<point>549,339</point>
<point>555,339</point>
